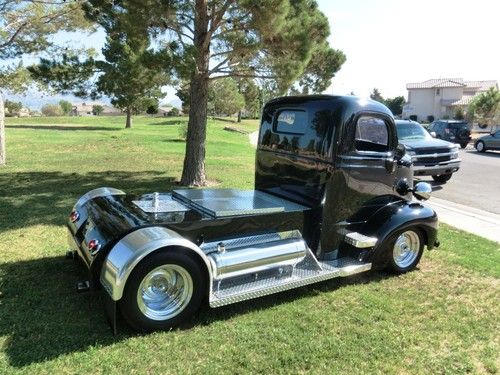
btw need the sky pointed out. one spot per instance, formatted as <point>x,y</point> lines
<point>388,43</point>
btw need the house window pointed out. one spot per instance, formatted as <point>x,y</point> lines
<point>438,92</point>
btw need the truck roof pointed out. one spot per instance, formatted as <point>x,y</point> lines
<point>353,103</point>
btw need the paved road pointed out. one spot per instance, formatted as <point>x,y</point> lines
<point>476,184</point>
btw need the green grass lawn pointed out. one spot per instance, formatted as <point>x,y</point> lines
<point>442,318</point>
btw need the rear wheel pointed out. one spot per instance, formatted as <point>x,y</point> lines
<point>480,147</point>
<point>163,291</point>
<point>441,178</point>
<point>405,250</point>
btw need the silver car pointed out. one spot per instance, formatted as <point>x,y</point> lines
<point>488,142</point>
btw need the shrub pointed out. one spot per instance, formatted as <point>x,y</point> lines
<point>52,110</point>
<point>183,130</point>
<point>430,118</point>
<point>459,114</point>
<point>97,109</point>
<point>174,112</point>
<point>413,117</point>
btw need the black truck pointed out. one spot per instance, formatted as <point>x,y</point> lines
<point>333,197</point>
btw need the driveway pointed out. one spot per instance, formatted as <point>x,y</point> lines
<point>476,184</point>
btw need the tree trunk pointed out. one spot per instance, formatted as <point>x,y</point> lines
<point>239,116</point>
<point>128,123</point>
<point>193,173</point>
<point>2,132</point>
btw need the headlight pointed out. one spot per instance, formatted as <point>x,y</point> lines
<point>454,153</point>
<point>410,152</point>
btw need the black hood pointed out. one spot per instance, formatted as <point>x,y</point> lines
<point>413,144</point>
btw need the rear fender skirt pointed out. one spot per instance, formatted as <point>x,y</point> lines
<point>397,216</point>
<point>133,248</point>
<point>99,192</point>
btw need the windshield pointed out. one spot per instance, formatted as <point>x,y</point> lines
<point>411,130</point>
<point>458,125</point>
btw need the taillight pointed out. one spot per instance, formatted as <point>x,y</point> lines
<point>94,247</point>
<point>74,216</point>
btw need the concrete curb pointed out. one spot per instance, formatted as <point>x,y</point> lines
<point>482,223</point>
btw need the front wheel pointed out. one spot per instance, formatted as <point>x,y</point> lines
<point>163,291</point>
<point>464,144</point>
<point>405,250</point>
<point>441,178</point>
<point>480,147</point>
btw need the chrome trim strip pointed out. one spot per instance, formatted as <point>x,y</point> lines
<point>437,154</point>
<point>134,247</point>
<point>359,240</point>
<point>349,157</point>
<point>342,165</point>
<point>375,153</point>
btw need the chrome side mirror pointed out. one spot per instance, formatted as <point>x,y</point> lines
<point>422,191</point>
<point>433,134</point>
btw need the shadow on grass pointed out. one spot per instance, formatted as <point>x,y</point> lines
<point>174,140</point>
<point>226,119</point>
<point>44,317</point>
<point>62,127</point>
<point>168,122</point>
<point>30,198</point>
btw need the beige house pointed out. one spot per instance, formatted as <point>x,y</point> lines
<point>442,97</point>
<point>86,109</point>
<point>164,111</point>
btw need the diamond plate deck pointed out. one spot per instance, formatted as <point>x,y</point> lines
<point>232,202</point>
<point>165,204</point>
<point>308,271</point>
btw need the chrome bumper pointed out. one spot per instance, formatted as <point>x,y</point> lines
<point>444,167</point>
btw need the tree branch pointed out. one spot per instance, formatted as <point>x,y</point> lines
<point>219,65</point>
<point>242,75</point>
<point>13,36</point>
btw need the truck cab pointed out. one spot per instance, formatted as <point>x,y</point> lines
<point>333,197</point>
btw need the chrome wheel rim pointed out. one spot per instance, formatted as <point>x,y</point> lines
<point>406,249</point>
<point>480,146</point>
<point>165,292</point>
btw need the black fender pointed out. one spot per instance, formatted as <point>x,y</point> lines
<point>398,216</point>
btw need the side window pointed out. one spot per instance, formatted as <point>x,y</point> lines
<point>371,134</point>
<point>291,121</point>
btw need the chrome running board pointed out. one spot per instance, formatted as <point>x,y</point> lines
<point>281,278</point>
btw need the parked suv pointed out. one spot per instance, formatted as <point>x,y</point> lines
<point>430,156</point>
<point>451,130</point>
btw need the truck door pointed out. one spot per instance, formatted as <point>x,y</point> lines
<point>367,158</point>
<point>363,179</point>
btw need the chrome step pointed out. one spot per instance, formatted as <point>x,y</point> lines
<point>308,271</point>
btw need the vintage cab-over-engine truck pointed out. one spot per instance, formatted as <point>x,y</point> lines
<point>333,197</point>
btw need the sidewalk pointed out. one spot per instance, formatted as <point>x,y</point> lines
<point>473,220</point>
